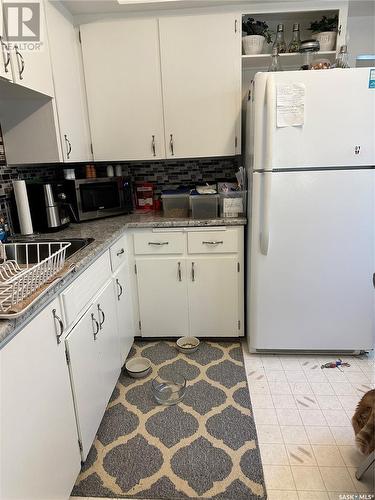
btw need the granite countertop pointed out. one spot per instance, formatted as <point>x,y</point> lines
<point>105,232</point>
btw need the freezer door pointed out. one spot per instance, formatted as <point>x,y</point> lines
<point>312,261</point>
<point>339,121</point>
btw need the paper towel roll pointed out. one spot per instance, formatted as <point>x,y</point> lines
<point>23,208</point>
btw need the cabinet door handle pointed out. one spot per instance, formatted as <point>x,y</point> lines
<point>21,67</point>
<point>101,323</point>
<point>153,146</point>
<point>339,30</point>
<point>179,272</point>
<point>212,242</point>
<point>61,325</point>
<point>193,271</point>
<point>120,252</point>
<point>6,54</point>
<point>68,146</point>
<point>94,322</point>
<point>171,145</point>
<point>158,243</point>
<point>120,289</point>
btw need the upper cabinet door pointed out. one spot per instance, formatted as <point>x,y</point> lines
<point>68,83</point>
<point>5,66</point>
<point>122,72</point>
<point>201,73</point>
<point>29,45</point>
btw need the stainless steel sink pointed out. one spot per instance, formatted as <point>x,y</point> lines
<point>76,244</point>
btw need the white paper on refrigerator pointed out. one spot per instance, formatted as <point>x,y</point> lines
<point>290,104</point>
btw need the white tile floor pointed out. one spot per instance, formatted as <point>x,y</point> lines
<point>303,418</point>
<point>302,415</point>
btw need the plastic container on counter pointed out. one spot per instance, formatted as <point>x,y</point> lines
<point>204,206</point>
<point>175,203</point>
<point>233,204</point>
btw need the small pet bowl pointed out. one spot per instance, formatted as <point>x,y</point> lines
<point>138,367</point>
<point>187,344</point>
<point>169,391</point>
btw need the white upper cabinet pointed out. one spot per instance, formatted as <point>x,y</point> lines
<point>196,90</point>
<point>201,74</point>
<point>122,73</point>
<point>29,47</point>
<point>5,67</point>
<point>68,84</point>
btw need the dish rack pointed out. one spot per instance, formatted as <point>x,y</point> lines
<point>25,268</point>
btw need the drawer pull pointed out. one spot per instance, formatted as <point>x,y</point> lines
<point>61,324</point>
<point>212,242</point>
<point>179,272</point>
<point>120,252</point>
<point>93,319</point>
<point>158,243</point>
<point>101,323</point>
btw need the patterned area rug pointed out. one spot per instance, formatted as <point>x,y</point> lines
<point>204,447</point>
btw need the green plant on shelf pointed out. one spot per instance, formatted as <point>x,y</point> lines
<point>252,27</point>
<point>325,24</point>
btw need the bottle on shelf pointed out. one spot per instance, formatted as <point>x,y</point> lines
<point>295,42</point>
<point>342,58</point>
<point>279,41</point>
<point>275,61</point>
<point>308,48</point>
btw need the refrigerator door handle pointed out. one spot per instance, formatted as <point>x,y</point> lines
<point>267,176</point>
<point>264,228</point>
<point>270,121</point>
<point>258,107</point>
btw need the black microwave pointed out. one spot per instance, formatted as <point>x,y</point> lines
<point>100,197</point>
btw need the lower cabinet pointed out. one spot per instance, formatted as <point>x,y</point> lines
<point>190,282</point>
<point>124,306</point>
<point>94,363</point>
<point>162,292</point>
<point>213,296</point>
<point>40,457</point>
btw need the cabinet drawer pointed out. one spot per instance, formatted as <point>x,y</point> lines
<point>213,241</point>
<point>81,291</point>
<point>118,253</point>
<point>159,243</point>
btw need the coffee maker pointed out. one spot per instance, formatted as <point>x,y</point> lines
<point>49,211</point>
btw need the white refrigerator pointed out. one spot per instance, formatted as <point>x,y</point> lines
<point>310,158</point>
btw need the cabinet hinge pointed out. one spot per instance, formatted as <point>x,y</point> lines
<point>135,268</point>
<point>239,324</point>
<point>79,36</point>
<point>67,356</point>
<point>80,445</point>
<point>238,267</point>
<point>235,142</point>
<point>140,325</point>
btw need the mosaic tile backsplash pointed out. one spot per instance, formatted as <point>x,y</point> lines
<point>164,174</point>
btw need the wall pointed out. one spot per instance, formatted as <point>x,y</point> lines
<point>361,29</point>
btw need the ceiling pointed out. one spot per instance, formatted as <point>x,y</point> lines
<point>82,7</point>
